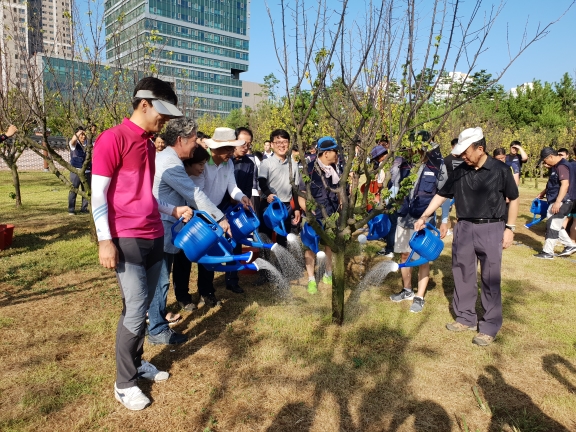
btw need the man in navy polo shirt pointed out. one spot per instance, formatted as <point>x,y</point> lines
<point>77,146</point>
<point>516,158</point>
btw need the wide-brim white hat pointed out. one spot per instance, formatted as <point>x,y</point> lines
<point>466,138</point>
<point>223,137</point>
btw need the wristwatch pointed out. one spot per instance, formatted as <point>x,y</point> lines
<point>511,227</point>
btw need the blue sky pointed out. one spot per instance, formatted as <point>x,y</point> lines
<point>546,60</point>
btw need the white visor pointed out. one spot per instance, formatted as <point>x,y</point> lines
<point>163,107</point>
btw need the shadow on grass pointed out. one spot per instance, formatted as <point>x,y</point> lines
<point>550,364</point>
<point>531,242</point>
<point>25,294</point>
<point>76,226</point>
<point>512,407</point>
<point>368,351</point>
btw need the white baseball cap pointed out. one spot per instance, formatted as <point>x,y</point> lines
<point>163,107</point>
<point>466,138</point>
<point>223,137</point>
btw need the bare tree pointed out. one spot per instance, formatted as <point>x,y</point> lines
<point>376,74</point>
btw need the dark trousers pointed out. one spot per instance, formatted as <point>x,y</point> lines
<point>137,272</point>
<point>206,277</point>
<point>181,270</point>
<point>391,237</point>
<point>75,180</point>
<point>256,204</point>
<point>472,243</point>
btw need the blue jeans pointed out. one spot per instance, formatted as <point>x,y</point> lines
<point>157,309</point>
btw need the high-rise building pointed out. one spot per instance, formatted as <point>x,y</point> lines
<point>199,45</point>
<point>28,28</point>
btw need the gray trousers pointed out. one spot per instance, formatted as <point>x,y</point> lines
<point>472,243</point>
<point>137,273</point>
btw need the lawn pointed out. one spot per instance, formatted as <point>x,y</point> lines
<point>270,362</point>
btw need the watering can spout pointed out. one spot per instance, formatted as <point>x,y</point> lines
<point>415,263</point>
<point>251,266</point>
<point>272,247</point>
<point>534,222</point>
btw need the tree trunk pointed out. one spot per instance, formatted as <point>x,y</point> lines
<point>338,284</point>
<point>16,183</point>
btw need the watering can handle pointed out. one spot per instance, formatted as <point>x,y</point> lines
<point>173,229</point>
<point>433,228</point>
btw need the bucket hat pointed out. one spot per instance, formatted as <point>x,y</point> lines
<point>223,137</point>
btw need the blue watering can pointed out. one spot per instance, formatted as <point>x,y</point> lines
<point>275,215</point>
<point>378,227</point>
<point>244,225</point>
<point>540,208</point>
<point>427,244</point>
<point>203,241</point>
<point>310,238</point>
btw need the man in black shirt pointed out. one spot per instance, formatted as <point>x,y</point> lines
<point>452,161</point>
<point>479,187</point>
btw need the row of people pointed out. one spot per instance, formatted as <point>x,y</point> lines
<point>139,193</point>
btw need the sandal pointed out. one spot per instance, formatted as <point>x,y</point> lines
<point>173,318</point>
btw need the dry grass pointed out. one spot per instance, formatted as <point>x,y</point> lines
<point>263,363</point>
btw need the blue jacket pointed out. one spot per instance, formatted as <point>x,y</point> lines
<point>321,195</point>
<point>78,156</point>
<point>426,186</point>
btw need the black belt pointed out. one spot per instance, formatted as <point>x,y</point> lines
<point>480,221</point>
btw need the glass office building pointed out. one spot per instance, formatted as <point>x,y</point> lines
<point>199,45</point>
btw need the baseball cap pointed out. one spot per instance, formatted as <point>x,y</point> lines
<point>377,151</point>
<point>163,107</point>
<point>466,138</point>
<point>545,152</point>
<point>326,143</point>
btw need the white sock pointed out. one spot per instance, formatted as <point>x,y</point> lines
<point>408,289</point>
<point>311,278</point>
<point>327,273</point>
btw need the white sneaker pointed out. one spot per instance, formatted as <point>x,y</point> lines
<point>132,398</point>
<point>150,372</point>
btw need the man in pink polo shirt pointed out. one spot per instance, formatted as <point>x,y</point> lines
<point>130,232</point>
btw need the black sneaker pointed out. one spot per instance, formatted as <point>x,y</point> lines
<point>210,300</point>
<point>568,250</point>
<point>544,255</point>
<point>167,337</point>
<point>385,253</point>
<point>235,289</point>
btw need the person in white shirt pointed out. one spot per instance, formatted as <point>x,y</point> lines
<point>267,152</point>
<point>217,179</point>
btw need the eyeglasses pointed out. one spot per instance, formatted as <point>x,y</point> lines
<point>283,142</point>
